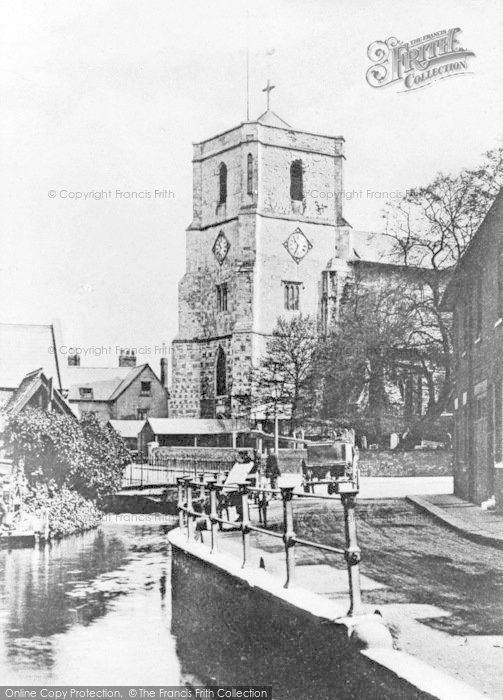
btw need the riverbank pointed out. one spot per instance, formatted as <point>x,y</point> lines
<point>298,639</point>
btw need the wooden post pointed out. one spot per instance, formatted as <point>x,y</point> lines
<point>352,554</point>
<point>288,533</point>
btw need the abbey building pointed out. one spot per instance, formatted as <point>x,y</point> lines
<point>268,238</point>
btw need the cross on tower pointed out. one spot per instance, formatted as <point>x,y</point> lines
<point>268,89</point>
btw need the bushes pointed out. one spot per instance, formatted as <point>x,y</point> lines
<point>71,466</point>
<point>69,512</point>
<point>61,451</point>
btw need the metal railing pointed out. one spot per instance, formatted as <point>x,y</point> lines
<point>195,495</point>
<point>165,472</point>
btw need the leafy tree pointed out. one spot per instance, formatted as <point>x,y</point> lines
<point>281,381</point>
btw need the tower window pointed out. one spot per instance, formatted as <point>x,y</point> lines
<point>222,297</point>
<point>249,174</point>
<point>292,293</point>
<point>222,183</point>
<point>296,185</point>
<point>221,373</point>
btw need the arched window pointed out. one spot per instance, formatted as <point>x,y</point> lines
<point>296,187</point>
<point>222,183</point>
<point>249,174</point>
<point>221,375</point>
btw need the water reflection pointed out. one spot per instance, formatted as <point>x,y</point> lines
<point>91,608</point>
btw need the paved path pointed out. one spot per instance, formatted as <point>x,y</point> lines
<point>439,593</point>
<point>466,518</point>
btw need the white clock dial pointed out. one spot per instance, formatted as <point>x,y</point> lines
<point>221,247</point>
<point>297,245</point>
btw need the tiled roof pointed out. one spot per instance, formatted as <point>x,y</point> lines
<point>25,348</point>
<point>107,383</point>
<point>127,428</point>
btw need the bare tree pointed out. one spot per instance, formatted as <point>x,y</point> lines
<point>280,385</point>
<point>430,228</point>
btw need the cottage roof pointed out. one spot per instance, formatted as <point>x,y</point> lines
<point>25,348</point>
<point>107,383</point>
<point>29,386</point>
<point>127,428</point>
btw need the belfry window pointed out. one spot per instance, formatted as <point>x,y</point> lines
<point>296,185</point>
<point>221,373</point>
<point>222,183</point>
<point>249,174</point>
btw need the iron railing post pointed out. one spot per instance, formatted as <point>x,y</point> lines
<point>352,554</point>
<point>245,522</point>
<point>190,518</point>
<point>288,533</point>
<point>213,486</point>
<point>180,482</point>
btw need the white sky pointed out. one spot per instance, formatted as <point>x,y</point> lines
<point>110,95</point>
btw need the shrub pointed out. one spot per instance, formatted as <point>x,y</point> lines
<point>59,451</point>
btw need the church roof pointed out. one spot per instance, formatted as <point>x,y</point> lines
<point>270,118</point>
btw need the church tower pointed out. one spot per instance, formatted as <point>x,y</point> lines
<point>267,211</point>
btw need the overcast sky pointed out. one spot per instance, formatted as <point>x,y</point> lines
<point>110,96</point>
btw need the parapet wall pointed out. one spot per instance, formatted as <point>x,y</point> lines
<point>372,463</point>
<point>249,629</point>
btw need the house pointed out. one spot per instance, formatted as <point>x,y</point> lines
<point>128,430</point>
<point>25,348</point>
<point>475,296</point>
<point>191,432</point>
<point>126,392</point>
<point>34,391</point>
<point>30,371</point>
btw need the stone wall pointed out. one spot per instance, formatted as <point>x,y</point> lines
<point>249,628</point>
<point>413,463</point>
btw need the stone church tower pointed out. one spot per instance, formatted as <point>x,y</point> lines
<point>267,217</point>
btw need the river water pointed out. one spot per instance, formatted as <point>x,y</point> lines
<point>90,609</point>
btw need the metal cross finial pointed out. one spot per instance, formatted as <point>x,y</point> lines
<point>268,89</point>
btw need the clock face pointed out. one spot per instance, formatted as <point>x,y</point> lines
<point>297,245</point>
<point>221,247</point>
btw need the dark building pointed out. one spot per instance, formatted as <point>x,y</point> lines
<point>475,296</point>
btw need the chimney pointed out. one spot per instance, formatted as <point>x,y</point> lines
<point>73,360</point>
<point>164,372</point>
<point>127,358</point>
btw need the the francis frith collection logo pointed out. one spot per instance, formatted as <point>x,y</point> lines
<point>419,62</point>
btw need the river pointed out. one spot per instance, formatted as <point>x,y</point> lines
<point>90,609</point>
